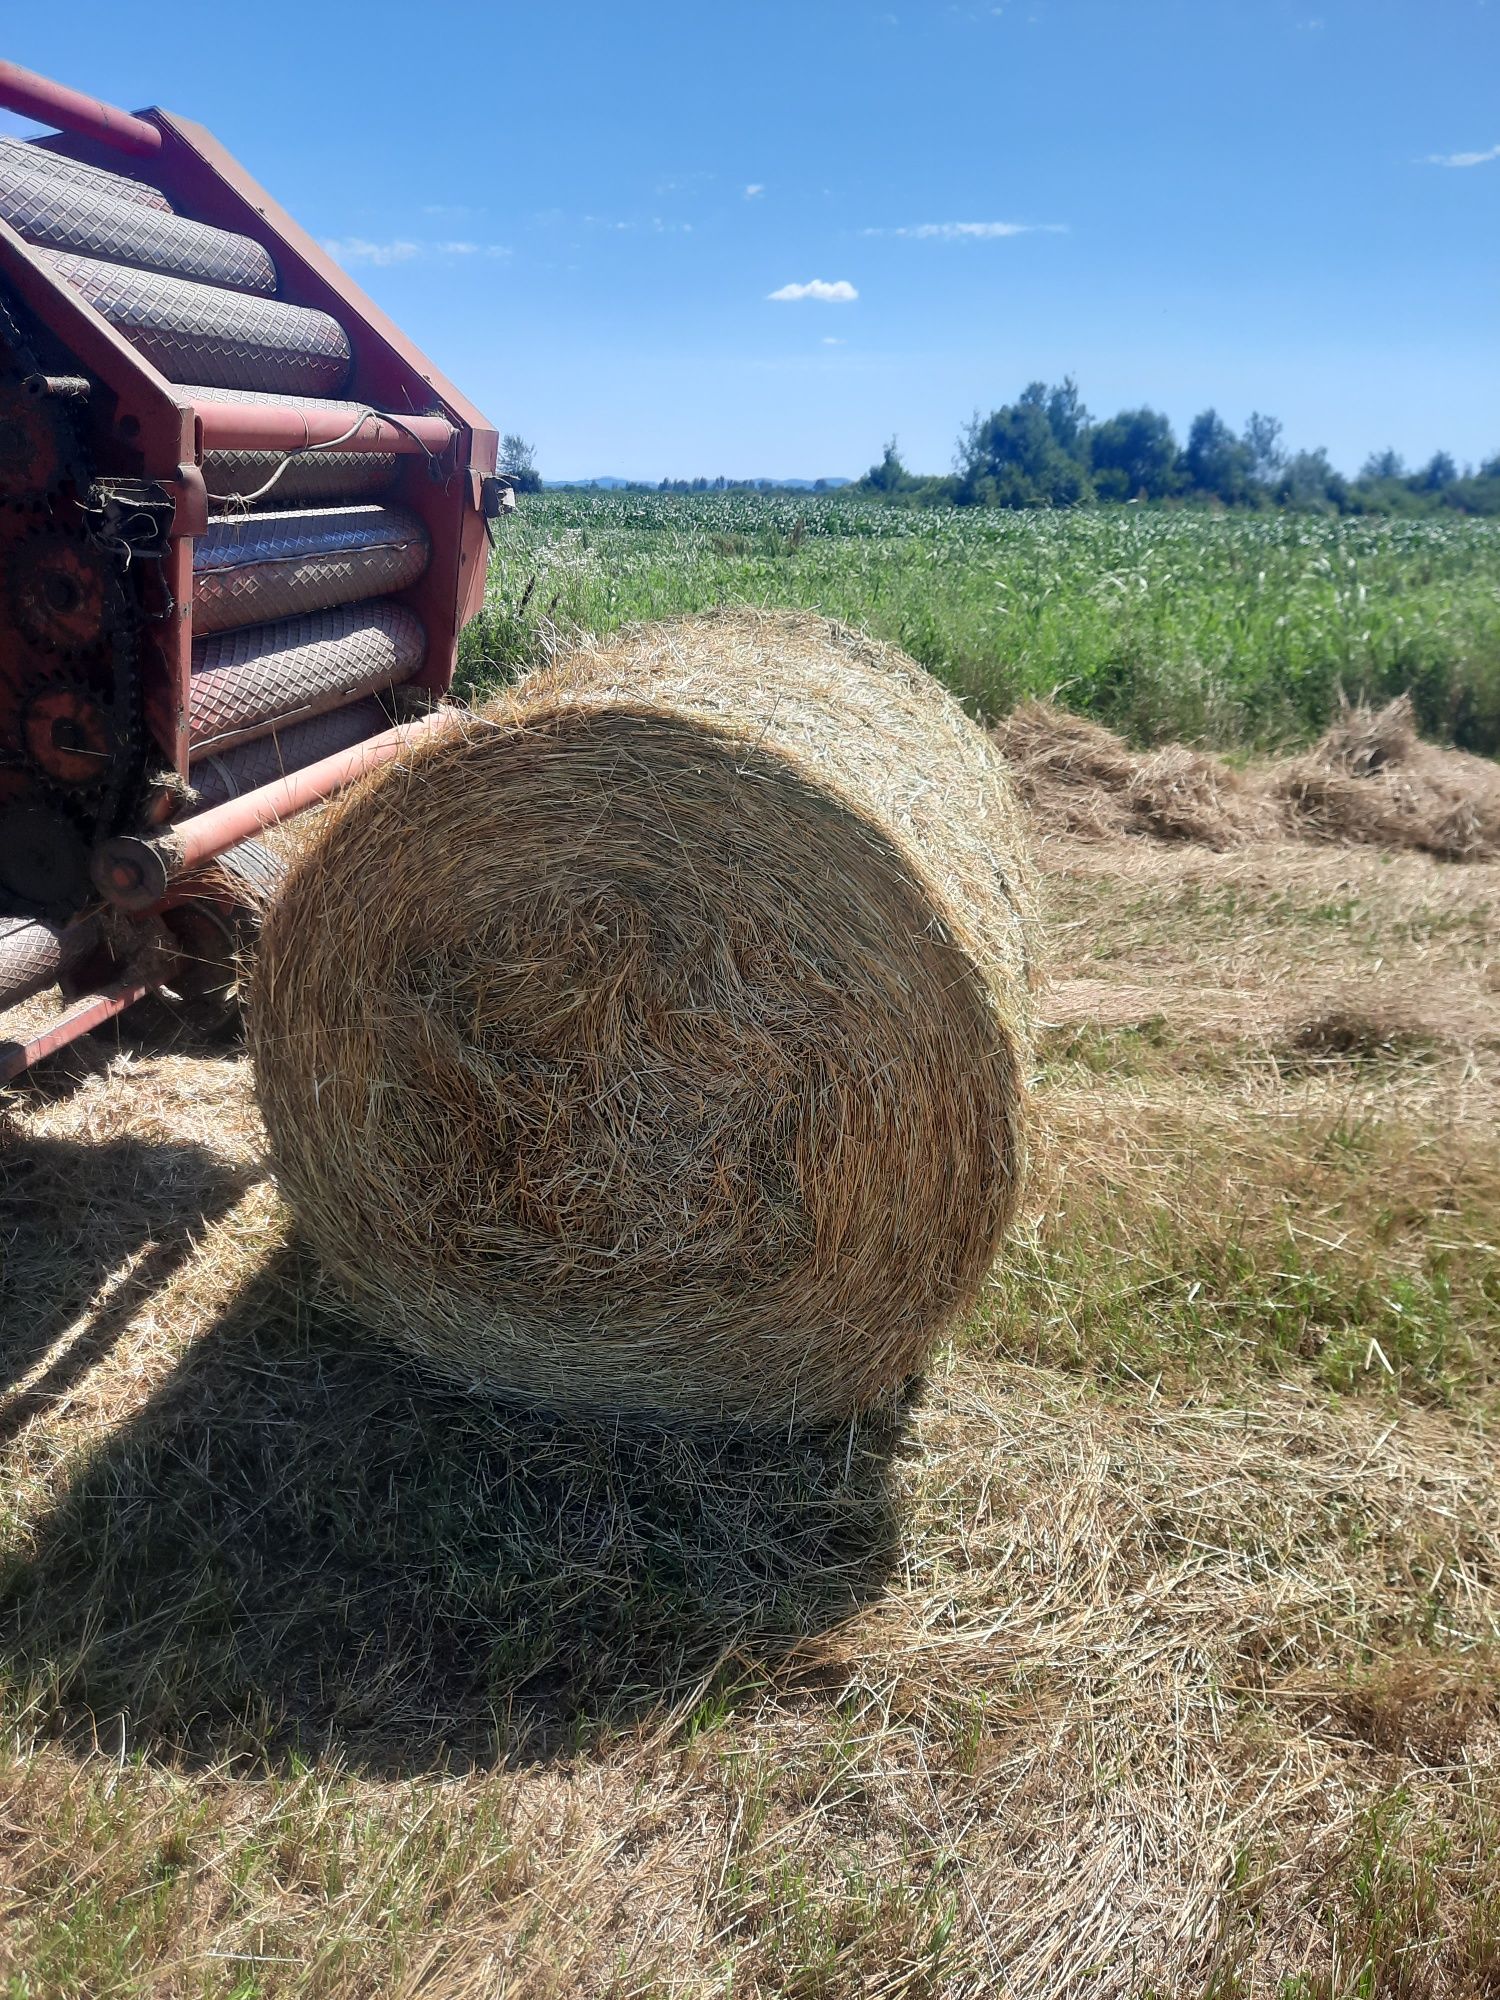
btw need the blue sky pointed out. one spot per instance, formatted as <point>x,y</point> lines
<point>585,211</point>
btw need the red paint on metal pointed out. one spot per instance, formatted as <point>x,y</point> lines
<point>93,1013</point>
<point>207,834</point>
<point>390,373</point>
<point>135,874</point>
<point>138,425</point>
<point>265,427</point>
<point>38,97</point>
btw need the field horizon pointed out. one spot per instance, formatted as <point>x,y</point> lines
<point>1233,632</point>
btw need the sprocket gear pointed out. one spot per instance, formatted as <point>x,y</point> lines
<point>64,591</point>
<point>69,733</point>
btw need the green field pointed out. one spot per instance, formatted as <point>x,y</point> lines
<point>1234,630</point>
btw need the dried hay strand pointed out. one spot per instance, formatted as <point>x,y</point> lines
<point>656,1040</point>
<point>1371,779</point>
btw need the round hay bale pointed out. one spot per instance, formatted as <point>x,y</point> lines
<point>657,1039</point>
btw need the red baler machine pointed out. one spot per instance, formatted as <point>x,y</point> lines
<point>242,523</point>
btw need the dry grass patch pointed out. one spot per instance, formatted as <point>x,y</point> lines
<point>1369,780</point>
<point>1152,1651</point>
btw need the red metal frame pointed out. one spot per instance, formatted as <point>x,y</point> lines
<point>136,873</point>
<point>142,426</point>
<point>80,1020</point>
<point>49,103</point>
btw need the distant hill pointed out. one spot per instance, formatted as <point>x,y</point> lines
<point>607,482</point>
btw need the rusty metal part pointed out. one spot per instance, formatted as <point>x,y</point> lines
<point>68,731</point>
<point>249,422</point>
<point>38,97</point>
<point>17,784</point>
<point>23,155</point>
<point>135,873</point>
<point>44,862</point>
<point>34,955</point>
<point>63,590</point>
<point>59,215</point>
<point>247,682</point>
<point>283,751</point>
<point>248,569</point>
<point>68,388</point>
<point>200,333</point>
<point>90,1013</point>
<point>317,475</point>
<point>39,450</point>
<point>21,668</point>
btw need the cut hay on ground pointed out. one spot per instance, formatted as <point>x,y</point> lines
<point>1372,779</point>
<point>1079,777</point>
<point>1369,780</point>
<point>657,1039</point>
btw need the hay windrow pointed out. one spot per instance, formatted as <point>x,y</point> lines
<point>1369,780</point>
<point>657,1039</point>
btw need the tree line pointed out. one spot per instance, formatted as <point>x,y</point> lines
<point>1046,450</point>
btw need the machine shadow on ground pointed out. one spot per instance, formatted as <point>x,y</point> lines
<point>300,1548</point>
<point>90,1229</point>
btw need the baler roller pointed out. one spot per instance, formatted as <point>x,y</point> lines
<point>268,758</point>
<point>250,569</point>
<point>316,475</point>
<point>22,154</point>
<point>248,436</point>
<point>60,215</point>
<point>34,955</point>
<point>200,333</point>
<point>246,683</point>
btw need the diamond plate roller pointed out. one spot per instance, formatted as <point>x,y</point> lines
<point>268,758</point>
<point>20,156</point>
<point>245,683</point>
<point>197,333</point>
<point>34,955</point>
<point>249,569</point>
<point>60,215</point>
<point>320,475</point>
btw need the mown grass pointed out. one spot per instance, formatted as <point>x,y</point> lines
<point>1151,1647</point>
<point>1231,630</point>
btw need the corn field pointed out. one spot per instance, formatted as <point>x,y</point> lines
<point>1231,630</point>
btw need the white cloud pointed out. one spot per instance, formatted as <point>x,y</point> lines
<point>834,340</point>
<point>352,250</point>
<point>451,211</point>
<point>755,188</point>
<point>840,292</point>
<point>1463,159</point>
<point>359,250</point>
<point>959,232</point>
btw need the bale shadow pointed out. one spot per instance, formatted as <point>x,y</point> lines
<point>76,1215</point>
<point>302,1549</point>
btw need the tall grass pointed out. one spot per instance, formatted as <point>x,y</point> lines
<point>1230,630</point>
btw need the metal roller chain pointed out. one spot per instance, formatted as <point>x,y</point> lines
<point>61,215</point>
<point>246,683</point>
<point>248,569</point>
<point>20,155</point>
<point>198,333</point>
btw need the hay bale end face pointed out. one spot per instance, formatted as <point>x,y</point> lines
<point>657,1040</point>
